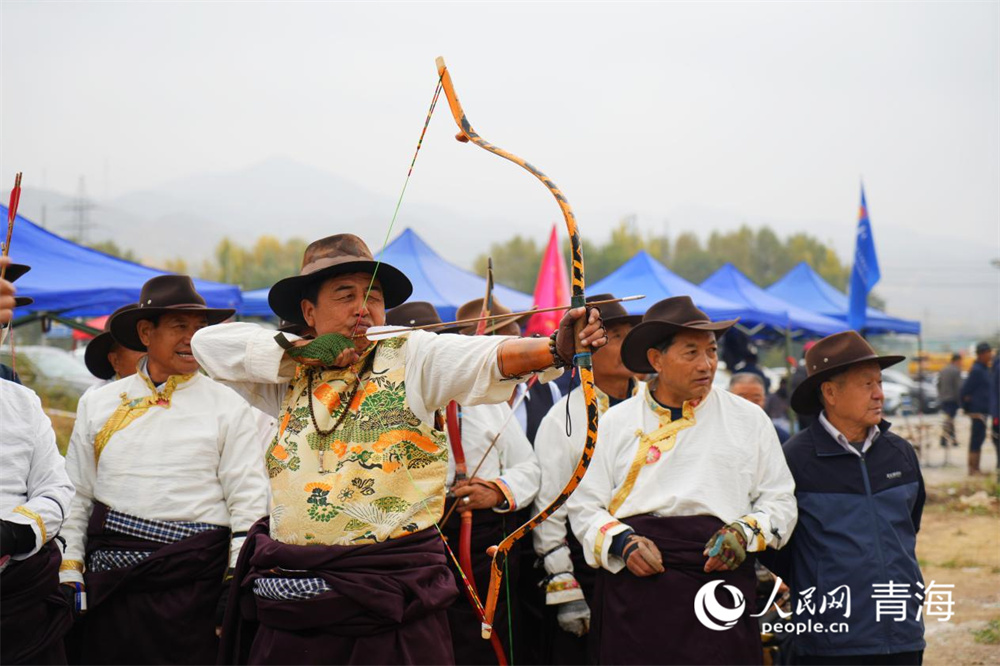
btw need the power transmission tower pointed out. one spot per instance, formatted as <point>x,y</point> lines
<point>82,206</point>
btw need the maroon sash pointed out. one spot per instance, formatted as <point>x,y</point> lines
<point>34,617</point>
<point>652,620</point>
<point>158,611</point>
<point>386,604</point>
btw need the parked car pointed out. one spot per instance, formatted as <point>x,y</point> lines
<point>922,396</point>
<point>53,373</point>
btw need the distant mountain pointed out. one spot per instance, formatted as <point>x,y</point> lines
<point>188,217</point>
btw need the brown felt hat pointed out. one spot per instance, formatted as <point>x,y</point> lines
<point>95,356</point>
<point>160,295</point>
<point>474,309</point>
<point>330,256</point>
<point>829,357</point>
<point>414,313</point>
<point>613,313</point>
<point>15,271</point>
<point>665,318</point>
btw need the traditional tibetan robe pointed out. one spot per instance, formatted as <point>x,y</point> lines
<point>169,479</point>
<point>512,465</point>
<point>677,481</point>
<point>356,467</point>
<point>559,443</point>
<point>34,492</point>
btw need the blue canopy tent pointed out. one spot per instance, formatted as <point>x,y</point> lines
<point>436,281</point>
<point>642,274</point>
<point>70,280</point>
<point>255,303</point>
<point>802,286</point>
<point>728,282</point>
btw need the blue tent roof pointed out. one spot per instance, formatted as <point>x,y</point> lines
<point>642,274</point>
<point>804,287</point>
<point>79,282</point>
<point>436,281</point>
<point>729,282</point>
<point>255,303</point>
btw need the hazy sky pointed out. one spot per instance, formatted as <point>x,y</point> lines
<point>681,113</point>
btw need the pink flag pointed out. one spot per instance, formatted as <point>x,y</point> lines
<point>551,289</point>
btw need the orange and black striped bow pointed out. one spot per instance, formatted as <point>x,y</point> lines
<point>582,359</point>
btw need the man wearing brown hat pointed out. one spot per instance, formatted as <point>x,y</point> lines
<point>569,582</point>
<point>860,495</point>
<point>685,483</point>
<point>357,467</point>
<point>169,477</point>
<point>107,359</point>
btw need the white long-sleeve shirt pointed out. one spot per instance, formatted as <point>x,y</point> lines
<point>198,460</point>
<point>511,464</point>
<point>34,487</point>
<point>728,464</point>
<point>439,368</point>
<point>558,455</point>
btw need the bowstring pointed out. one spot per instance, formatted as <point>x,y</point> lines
<point>371,284</point>
<point>399,201</point>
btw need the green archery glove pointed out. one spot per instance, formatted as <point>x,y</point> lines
<point>729,544</point>
<point>326,348</point>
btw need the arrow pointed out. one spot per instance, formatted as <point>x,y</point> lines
<point>385,332</point>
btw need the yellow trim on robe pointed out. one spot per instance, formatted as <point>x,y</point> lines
<point>754,532</point>
<point>129,410</point>
<point>667,433</point>
<point>599,542</point>
<point>24,511</point>
<point>71,565</point>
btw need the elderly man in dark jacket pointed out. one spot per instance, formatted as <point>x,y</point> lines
<point>860,495</point>
<point>976,403</point>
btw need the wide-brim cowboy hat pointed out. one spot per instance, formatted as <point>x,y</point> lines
<point>331,256</point>
<point>414,313</point>
<point>95,356</point>
<point>500,317</point>
<point>613,313</point>
<point>663,319</point>
<point>829,357</point>
<point>160,295</point>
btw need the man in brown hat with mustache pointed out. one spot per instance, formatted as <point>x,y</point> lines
<point>35,494</point>
<point>169,477</point>
<point>569,582</point>
<point>860,495</point>
<point>358,470</point>
<point>685,483</point>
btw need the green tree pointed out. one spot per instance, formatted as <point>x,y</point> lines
<point>759,253</point>
<point>515,263</point>
<point>111,247</point>
<point>177,265</point>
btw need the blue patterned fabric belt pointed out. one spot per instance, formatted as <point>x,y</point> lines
<point>162,531</point>
<point>290,589</point>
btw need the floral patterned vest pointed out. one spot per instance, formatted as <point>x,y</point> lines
<point>373,473</point>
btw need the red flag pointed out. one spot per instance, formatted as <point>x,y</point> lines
<point>551,289</point>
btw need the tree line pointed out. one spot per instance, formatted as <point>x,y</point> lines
<point>759,253</point>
